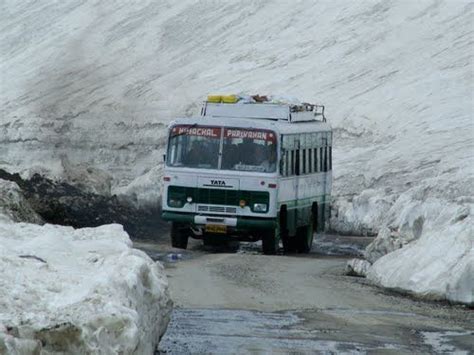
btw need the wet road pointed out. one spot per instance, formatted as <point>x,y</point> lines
<point>248,303</point>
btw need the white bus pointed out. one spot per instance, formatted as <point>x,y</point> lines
<point>249,171</point>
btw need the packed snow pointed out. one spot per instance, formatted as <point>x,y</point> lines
<point>97,83</point>
<point>78,291</point>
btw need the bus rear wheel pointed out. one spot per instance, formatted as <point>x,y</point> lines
<point>289,245</point>
<point>179,236</point>
<point>270,242</point>
<point>304,238</point>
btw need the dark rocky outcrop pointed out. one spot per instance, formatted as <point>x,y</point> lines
<point>64,204</point>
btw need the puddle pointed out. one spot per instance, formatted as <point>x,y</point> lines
<point>214,331</point>
<point>327,244</point>
<point>441,342</point>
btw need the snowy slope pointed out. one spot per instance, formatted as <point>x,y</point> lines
<point>96,82</point>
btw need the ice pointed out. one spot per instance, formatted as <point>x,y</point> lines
<point>78,291</point>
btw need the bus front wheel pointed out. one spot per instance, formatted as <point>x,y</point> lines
<point>179,236</point>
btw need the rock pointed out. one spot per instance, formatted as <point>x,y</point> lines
<point>14,206</point>
<point>65,204</point>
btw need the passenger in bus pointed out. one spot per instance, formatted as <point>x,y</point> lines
<point>231,156</point>
<point>247,150</point>
<point>272,158</point>
<point>196,155</point>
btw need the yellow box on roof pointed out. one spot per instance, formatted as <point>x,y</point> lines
<point>214,98</point>
<point>230,99</point>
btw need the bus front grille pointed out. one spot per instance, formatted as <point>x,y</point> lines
<point>219,197</point>
<point>217,209</point>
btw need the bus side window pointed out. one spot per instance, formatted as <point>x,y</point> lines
<point>321,159</point>
<point>297,162</point>
<point>316,160</point>
<point>310,160</point>
<point>292,162</point>
<point>330,157</point>
<point>303,171</point>
<point>326,158</point>
<point>286,163</point>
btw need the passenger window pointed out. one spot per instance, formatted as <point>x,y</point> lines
<point>315,153</point>
<point>326,158</point>
<point>297,162</point>
<point>303,171</point>
<point>292,164</point>
<point>330,158</point>
<point>310,161</point>
<point>321,159</point>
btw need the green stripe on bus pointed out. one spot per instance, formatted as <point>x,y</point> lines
<point>305,202</point>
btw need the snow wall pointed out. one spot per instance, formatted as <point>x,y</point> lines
<point>95,83</point>
<point>78,292</point>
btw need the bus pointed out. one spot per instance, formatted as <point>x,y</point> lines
<point>249,171</point>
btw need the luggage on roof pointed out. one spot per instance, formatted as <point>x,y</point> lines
<point>261,107</point>
<point>226,99</point>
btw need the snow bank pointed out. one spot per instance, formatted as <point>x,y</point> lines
<point>144,191</point>
<point>439,265</point>
<point>362,215</point>
<point>78,291</point>
<point>426,247</point>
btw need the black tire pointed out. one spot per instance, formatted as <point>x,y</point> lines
<point>304,238</point>
<point>288,243</point>
<point>179,236</point>
<point>270,242</point>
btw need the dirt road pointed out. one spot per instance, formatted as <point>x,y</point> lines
<point>246,302</point>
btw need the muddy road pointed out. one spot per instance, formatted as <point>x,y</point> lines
<point>239,301</point>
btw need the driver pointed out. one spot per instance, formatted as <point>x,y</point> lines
<point>265,157</point>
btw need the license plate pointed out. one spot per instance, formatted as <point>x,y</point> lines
<point>216,228</point>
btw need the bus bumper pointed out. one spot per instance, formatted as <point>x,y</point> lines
<point>235,222</point>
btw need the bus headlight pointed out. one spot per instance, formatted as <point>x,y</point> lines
<point>260,207</point>
<point>176,203</point>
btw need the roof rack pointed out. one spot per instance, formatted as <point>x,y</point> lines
<point>261,107</point>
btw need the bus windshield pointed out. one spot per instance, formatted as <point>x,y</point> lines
<point>242,149</point>
<point>194,147</point>
<point>249,150</point>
